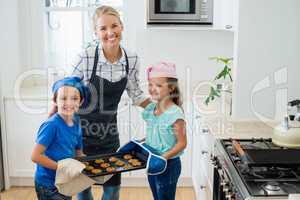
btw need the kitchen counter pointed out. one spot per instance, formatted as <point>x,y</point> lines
<point>224,127</point>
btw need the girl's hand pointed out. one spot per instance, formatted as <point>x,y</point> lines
<point>180,132</point>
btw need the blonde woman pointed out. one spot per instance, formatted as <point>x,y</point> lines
<point>108,69</point>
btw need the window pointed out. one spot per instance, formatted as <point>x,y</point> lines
<point>69,28</point>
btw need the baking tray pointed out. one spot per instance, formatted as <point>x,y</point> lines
<point>119,169</point>
<point>274,157</point>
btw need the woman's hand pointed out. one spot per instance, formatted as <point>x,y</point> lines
<point>145,103</point>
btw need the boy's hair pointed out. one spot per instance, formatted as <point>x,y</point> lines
<point>105,10</point>
<point>175,94</point>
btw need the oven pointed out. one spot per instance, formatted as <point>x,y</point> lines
<point>180,12</point>
<point>225,185</point>
<point>270,172</point>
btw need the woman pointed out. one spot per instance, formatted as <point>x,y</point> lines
<point>108,69</point>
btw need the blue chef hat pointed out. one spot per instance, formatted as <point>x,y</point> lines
<point>73,81</point>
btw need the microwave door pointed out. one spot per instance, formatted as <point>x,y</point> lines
<point>174,10</point>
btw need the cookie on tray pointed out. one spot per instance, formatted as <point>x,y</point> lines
<point>99,161</point>
<point>96,171</point>
<point>136,163</point>
<point>133,160</point>
<point>120,163</point>
<point>110,169</point>
<point>113,159</point>
<point>104,165</point>
<point>89,168</point>
<point>127,156</point>
<point>125,167</point>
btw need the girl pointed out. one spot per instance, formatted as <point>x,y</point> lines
<point>59,137</point>
<point>165,127</point>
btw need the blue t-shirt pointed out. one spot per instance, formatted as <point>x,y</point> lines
<point>61,141</point>
<point>160,134</point>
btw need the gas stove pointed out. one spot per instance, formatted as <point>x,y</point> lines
<point>265,172</point>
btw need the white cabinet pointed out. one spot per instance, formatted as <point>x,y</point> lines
<point>21,128</point>
<point>202,169</point>
<point>225,14</point>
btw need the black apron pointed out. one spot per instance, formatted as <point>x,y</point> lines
<point>99,124</point>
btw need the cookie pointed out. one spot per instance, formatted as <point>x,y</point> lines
<point>99,161</point>
<point>113,159</point>
<point>136,163</point>
<point>96,171</point>
<point>110,169</point>
<point>89,168</point>
<point>127,156</point>
<point>133,160</point>
<point>120,163</point>
<point>104,165</point>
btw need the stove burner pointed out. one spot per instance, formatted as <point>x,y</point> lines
<point>272,186</point>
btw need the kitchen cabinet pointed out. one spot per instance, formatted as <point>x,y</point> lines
<point>225,14</point>
<point>21,128</point>
<point>202,168</point>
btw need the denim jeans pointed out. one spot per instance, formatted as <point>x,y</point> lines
<point>163,186</point>
<point>109,193</point>
<point>45,193</point>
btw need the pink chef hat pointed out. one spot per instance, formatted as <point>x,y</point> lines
<point>161,69</point>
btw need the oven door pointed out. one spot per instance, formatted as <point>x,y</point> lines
<point>180,11</point>
<point>223,187</point>
<point>218,186</point>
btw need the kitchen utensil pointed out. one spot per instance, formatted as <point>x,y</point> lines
<point>287,134</point>
<point>243,156</point>
<point>273,157</point>
<point>119,169</point>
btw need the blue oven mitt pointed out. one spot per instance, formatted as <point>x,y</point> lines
<point>156,164</point>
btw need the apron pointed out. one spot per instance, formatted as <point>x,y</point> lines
<point>99,125</point>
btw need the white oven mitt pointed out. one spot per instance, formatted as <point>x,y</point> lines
<point>69,180</point>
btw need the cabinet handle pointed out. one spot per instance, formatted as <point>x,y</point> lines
<point>204,152</point>
<point>228,27</point>
<point>197,117</point>
<point>202,187</point>
<point>205,130</point>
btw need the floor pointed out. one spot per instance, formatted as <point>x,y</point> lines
<point>127,193</point>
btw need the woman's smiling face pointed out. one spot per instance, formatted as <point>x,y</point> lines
<point>109,30</point>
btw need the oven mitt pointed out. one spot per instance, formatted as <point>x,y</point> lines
<point>69,180</point>
<point>156,164</point>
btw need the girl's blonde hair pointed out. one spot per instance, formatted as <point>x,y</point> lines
<point>105,10</point>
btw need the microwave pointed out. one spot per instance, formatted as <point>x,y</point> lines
<point>180,12</point>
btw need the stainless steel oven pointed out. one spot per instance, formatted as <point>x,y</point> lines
<point>267,172</point>
<point>180,12</point>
